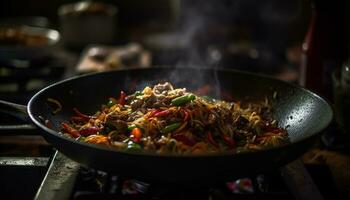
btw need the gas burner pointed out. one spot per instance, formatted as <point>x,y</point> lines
<point>66,179</point>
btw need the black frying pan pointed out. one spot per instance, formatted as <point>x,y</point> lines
<point>302,112</point>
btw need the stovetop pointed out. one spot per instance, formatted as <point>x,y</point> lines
<point>49,175</point>
<point>66,179</point>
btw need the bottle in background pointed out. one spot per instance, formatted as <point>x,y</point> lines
<point>325,46</point>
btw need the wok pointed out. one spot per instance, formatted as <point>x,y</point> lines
<point>303,113</point>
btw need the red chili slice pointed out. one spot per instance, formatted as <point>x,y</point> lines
<point>231,143</point>
<point>269,128</point>
<point>83,116</point>
<point>187,115</point>
<point>184,139</point>
<point>153,112</point>
<point>78,119</point>
<point>162,113</point>
<point>122,98</point>
<point>71,131</point>
<point>89,131</point>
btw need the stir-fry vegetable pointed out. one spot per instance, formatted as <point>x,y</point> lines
<point>183,99</point>
<point>171,127</point>
<point>89,131</point>
<point>162,113</point>
<point>122,98</point>
<point>168,120</point>
<point>136,134</point>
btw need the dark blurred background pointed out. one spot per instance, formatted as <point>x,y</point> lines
<point>225,33</point>
<point>252,35</point>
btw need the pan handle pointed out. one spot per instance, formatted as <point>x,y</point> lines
<point>20,112</point>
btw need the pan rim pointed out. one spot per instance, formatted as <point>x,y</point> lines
<point>172,155</point>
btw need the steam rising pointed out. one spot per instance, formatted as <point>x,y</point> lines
<point>198,26</point>
<point>197,23</point>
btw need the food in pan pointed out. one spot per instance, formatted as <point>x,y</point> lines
<point>167,120</point>
<point>21,36</point>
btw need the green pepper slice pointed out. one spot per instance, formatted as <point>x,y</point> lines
<point>132,146</point>
<point>178,101</point>
<point>171,127</point>
<point>137,93</point>
<point>132,126</point>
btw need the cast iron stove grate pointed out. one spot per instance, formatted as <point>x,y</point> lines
<point>66,179</point>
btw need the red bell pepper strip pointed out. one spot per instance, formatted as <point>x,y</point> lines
<point>83,116</point>
<point>270,128</point>
<point>89,131</point>
<point>231,143</point>
<point>162,113</point>
<point>184,139</point>
<point>187,115</point>
<point>212,141</point>
<point>153,112</point>
<point>159,113</point>
<point>71,131</point>
<point>77,119</point>
<point>122,98</point>
<point>278,131</point>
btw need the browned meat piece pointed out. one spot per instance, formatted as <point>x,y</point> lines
<point>241,122</point>
<point>150,101</point>
<point>137,104</point>
<point>130,98</point>
<point>162,88</point>
<point>120,125</point>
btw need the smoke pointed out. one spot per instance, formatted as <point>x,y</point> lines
<point>200,31</point>
<point>198,22</point>
<point>199,28</point>
<point>247,35</point>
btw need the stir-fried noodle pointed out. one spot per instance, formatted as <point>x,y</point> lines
<point>167,120</point>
